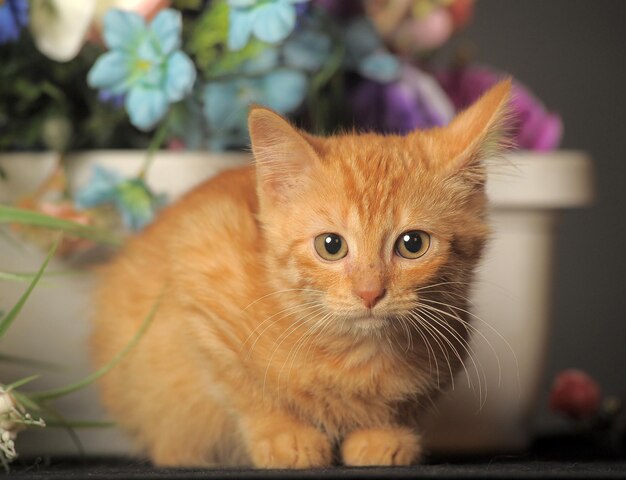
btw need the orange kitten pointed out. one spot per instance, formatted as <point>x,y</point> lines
<point>312,303</point>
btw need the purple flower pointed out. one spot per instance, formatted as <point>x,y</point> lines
<point>13,17</point>
<point>415,100</point>
<point>533,127</point>
<point>109,98</point>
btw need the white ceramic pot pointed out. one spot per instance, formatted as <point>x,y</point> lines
<point>512,298</point>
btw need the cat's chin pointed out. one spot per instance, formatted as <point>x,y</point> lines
<point>369,323</point>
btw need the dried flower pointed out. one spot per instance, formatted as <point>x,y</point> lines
<point>13,418</point>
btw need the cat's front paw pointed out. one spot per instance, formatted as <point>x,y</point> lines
<point>302,447</point>
<point>381,446</point>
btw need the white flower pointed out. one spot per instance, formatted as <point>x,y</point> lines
<point>60,26</point>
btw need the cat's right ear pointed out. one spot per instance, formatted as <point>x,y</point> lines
<point>283,156</point>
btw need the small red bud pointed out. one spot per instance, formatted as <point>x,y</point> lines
<point>575,394</point>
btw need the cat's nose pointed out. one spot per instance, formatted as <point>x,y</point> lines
<point>371,297</point>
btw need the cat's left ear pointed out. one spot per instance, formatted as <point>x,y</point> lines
<point>283,155</point>
<point>475,134</point>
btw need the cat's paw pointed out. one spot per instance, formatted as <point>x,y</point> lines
<point>381,446</point>
<point>302,447</point>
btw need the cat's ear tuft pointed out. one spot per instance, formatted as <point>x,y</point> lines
<point>282,154</point>
<point>476,134</point>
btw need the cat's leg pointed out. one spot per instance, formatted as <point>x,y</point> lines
<point>393,445</point>
<point>278,440</point>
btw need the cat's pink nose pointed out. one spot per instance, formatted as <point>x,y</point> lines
<point>371,297</point>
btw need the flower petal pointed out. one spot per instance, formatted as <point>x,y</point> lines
<point>100,188</point>
<point>220,104</point>
<point>60,29</point>
<point>148,51</point>
<point>167,27</point>
<point>264,61</point>
<point>145,106</point>
<point>380,66</point>
<point>274,22</point>
<point>180,76</point>
<point>361,39</point>
<point>284,90</point>
<point>110,72</point>
<point>122,29</point>
<point>239,28</point>
<point>307,50</point>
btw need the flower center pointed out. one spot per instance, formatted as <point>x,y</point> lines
<point>143,65</point>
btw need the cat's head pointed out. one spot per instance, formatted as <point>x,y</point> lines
<point>361,226</point>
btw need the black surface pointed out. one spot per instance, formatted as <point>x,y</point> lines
<point>94,468</point>
<point>550,457</point>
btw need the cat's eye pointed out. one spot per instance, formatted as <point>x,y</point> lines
<point>412,244</point>
<point>331,246</point>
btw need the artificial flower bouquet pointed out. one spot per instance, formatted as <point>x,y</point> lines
<point>181,74</point>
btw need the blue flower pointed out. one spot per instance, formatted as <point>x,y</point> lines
<point>145,63</point>
<point>366,54</point>
<point>131,197</point>
<point>270,21</point>
<point>380,66</point>
<point>226,103</point>
<point>307,50</point>
<point>13,17</point>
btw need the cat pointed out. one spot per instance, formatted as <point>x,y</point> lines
<point>310,304</point>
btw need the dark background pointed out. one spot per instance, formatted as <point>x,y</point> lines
<point>572,54</point>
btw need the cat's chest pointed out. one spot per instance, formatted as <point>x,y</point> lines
<point>343,391</point>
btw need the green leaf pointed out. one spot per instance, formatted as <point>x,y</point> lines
<point>36,219</point>
<point>28,277</point>
<point>89,379</point>
<point>6,321</point>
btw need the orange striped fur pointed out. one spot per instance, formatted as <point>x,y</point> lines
<point>262,353</point>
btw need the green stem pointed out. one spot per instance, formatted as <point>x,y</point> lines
<point>155,144</point>
<point>78,423</point>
